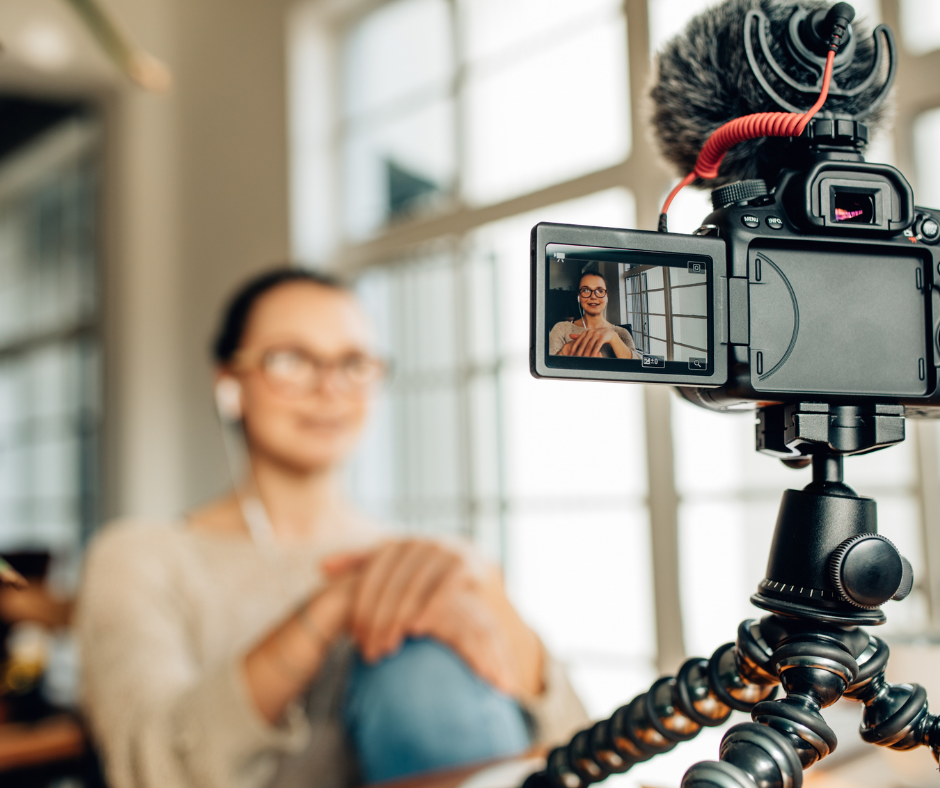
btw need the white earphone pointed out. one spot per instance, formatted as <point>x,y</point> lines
<point>228,399</point>
<point>228,403</point>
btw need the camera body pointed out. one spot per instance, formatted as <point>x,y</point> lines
<point>825,290</point>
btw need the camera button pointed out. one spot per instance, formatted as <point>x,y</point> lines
<point>749,220</point>
<point>774,222</point>
<point>930,230</point>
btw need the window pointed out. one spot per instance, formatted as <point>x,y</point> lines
<point>524,113</point>
<point>399,152</point>
<point>666,309</point>
<point>920,26</point>
<point>49,351</point>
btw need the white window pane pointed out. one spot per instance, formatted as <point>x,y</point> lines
<point>692,336</point>
<point>377,293</point>
<point>920,26</point>
<point>400,49</point>
<point>561,113</point>
<point>431,446</point>
<point>484,446</point>
<point>427,316</point>
<point>723,549</point>
<point>55,468</point>
<point>492,27</point>
<point>437,521</point>
<point>668,18</point>
<point>13,476</point>
<point>868,12</point>
<point>507,241</point>
<point>373,474</point>
<point>53,386</point>
<point>927,158</point>
<point>605,685</point>
<point>688,300</point>
<point>882,148</point>
<point>668,769</point>
<point>398,167</point>
<point>583,579</point>
<point>689,209</point>
<point>14,394</point>
<point>314,214</point>
<point>656,326</point>
<point>573,439</point>
<point>481,298</point>
<point>891,469</point>
<point>488,536</point>
<point>715,454</point>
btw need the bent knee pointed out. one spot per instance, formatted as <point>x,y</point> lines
<point>424,709</point>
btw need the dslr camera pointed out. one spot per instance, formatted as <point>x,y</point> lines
<point>816,277</point>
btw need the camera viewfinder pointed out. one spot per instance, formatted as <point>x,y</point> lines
<point>853,208</point>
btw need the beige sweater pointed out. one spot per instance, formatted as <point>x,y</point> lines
<point>166,614</point>
<point>560,335</point>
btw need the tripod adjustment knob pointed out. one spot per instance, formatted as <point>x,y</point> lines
<point>907,580</point>
<point>867,570</point>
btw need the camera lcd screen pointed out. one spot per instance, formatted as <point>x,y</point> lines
<point>630,310</point>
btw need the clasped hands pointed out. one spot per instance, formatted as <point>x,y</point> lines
<point>589,342</point>
<point>422,588</point>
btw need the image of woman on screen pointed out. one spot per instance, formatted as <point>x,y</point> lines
<point>591,335</point>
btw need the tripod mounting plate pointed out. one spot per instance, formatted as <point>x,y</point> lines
<point>827,562</point>
<point>800,429</point>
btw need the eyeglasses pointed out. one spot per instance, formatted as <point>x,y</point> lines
<point>599,292</point>
<point>295,372</point>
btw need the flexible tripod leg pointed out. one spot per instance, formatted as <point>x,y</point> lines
<point>792,735</point>
<point>815,663</point>
<point>895,715</point>
<point>675,709</point>
<point>815,669</point>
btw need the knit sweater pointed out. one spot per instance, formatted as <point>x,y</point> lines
<point>167,613</point>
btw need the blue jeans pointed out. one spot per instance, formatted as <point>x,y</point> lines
<point>423,709</point>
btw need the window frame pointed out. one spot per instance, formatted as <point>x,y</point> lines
<point>642,172</point>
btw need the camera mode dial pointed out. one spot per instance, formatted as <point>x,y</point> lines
<point>927,229</point>
<point>867,570</point>
<point>739,191</point>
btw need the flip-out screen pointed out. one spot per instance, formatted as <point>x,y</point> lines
<point>637,311</point>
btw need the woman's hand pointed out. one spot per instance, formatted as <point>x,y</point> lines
<point>589,343</point>
<point>331,609</point>
<point>424,588</point>
<point>278,668</point>
<point>462,619</point>
<point>399,581</point>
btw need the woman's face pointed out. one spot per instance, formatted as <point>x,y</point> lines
<point>591,304</point>
<point>301,406</point>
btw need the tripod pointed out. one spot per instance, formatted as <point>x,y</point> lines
<point>828,573</point>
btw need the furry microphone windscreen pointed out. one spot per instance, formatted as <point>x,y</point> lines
<point>704,81</point>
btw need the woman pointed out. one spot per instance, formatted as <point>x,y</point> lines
<point>592,335</point>
<point>274,637</point>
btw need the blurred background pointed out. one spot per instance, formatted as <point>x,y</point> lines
<point>412,144</point>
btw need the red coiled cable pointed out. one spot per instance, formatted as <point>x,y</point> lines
<point>761,124</point>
